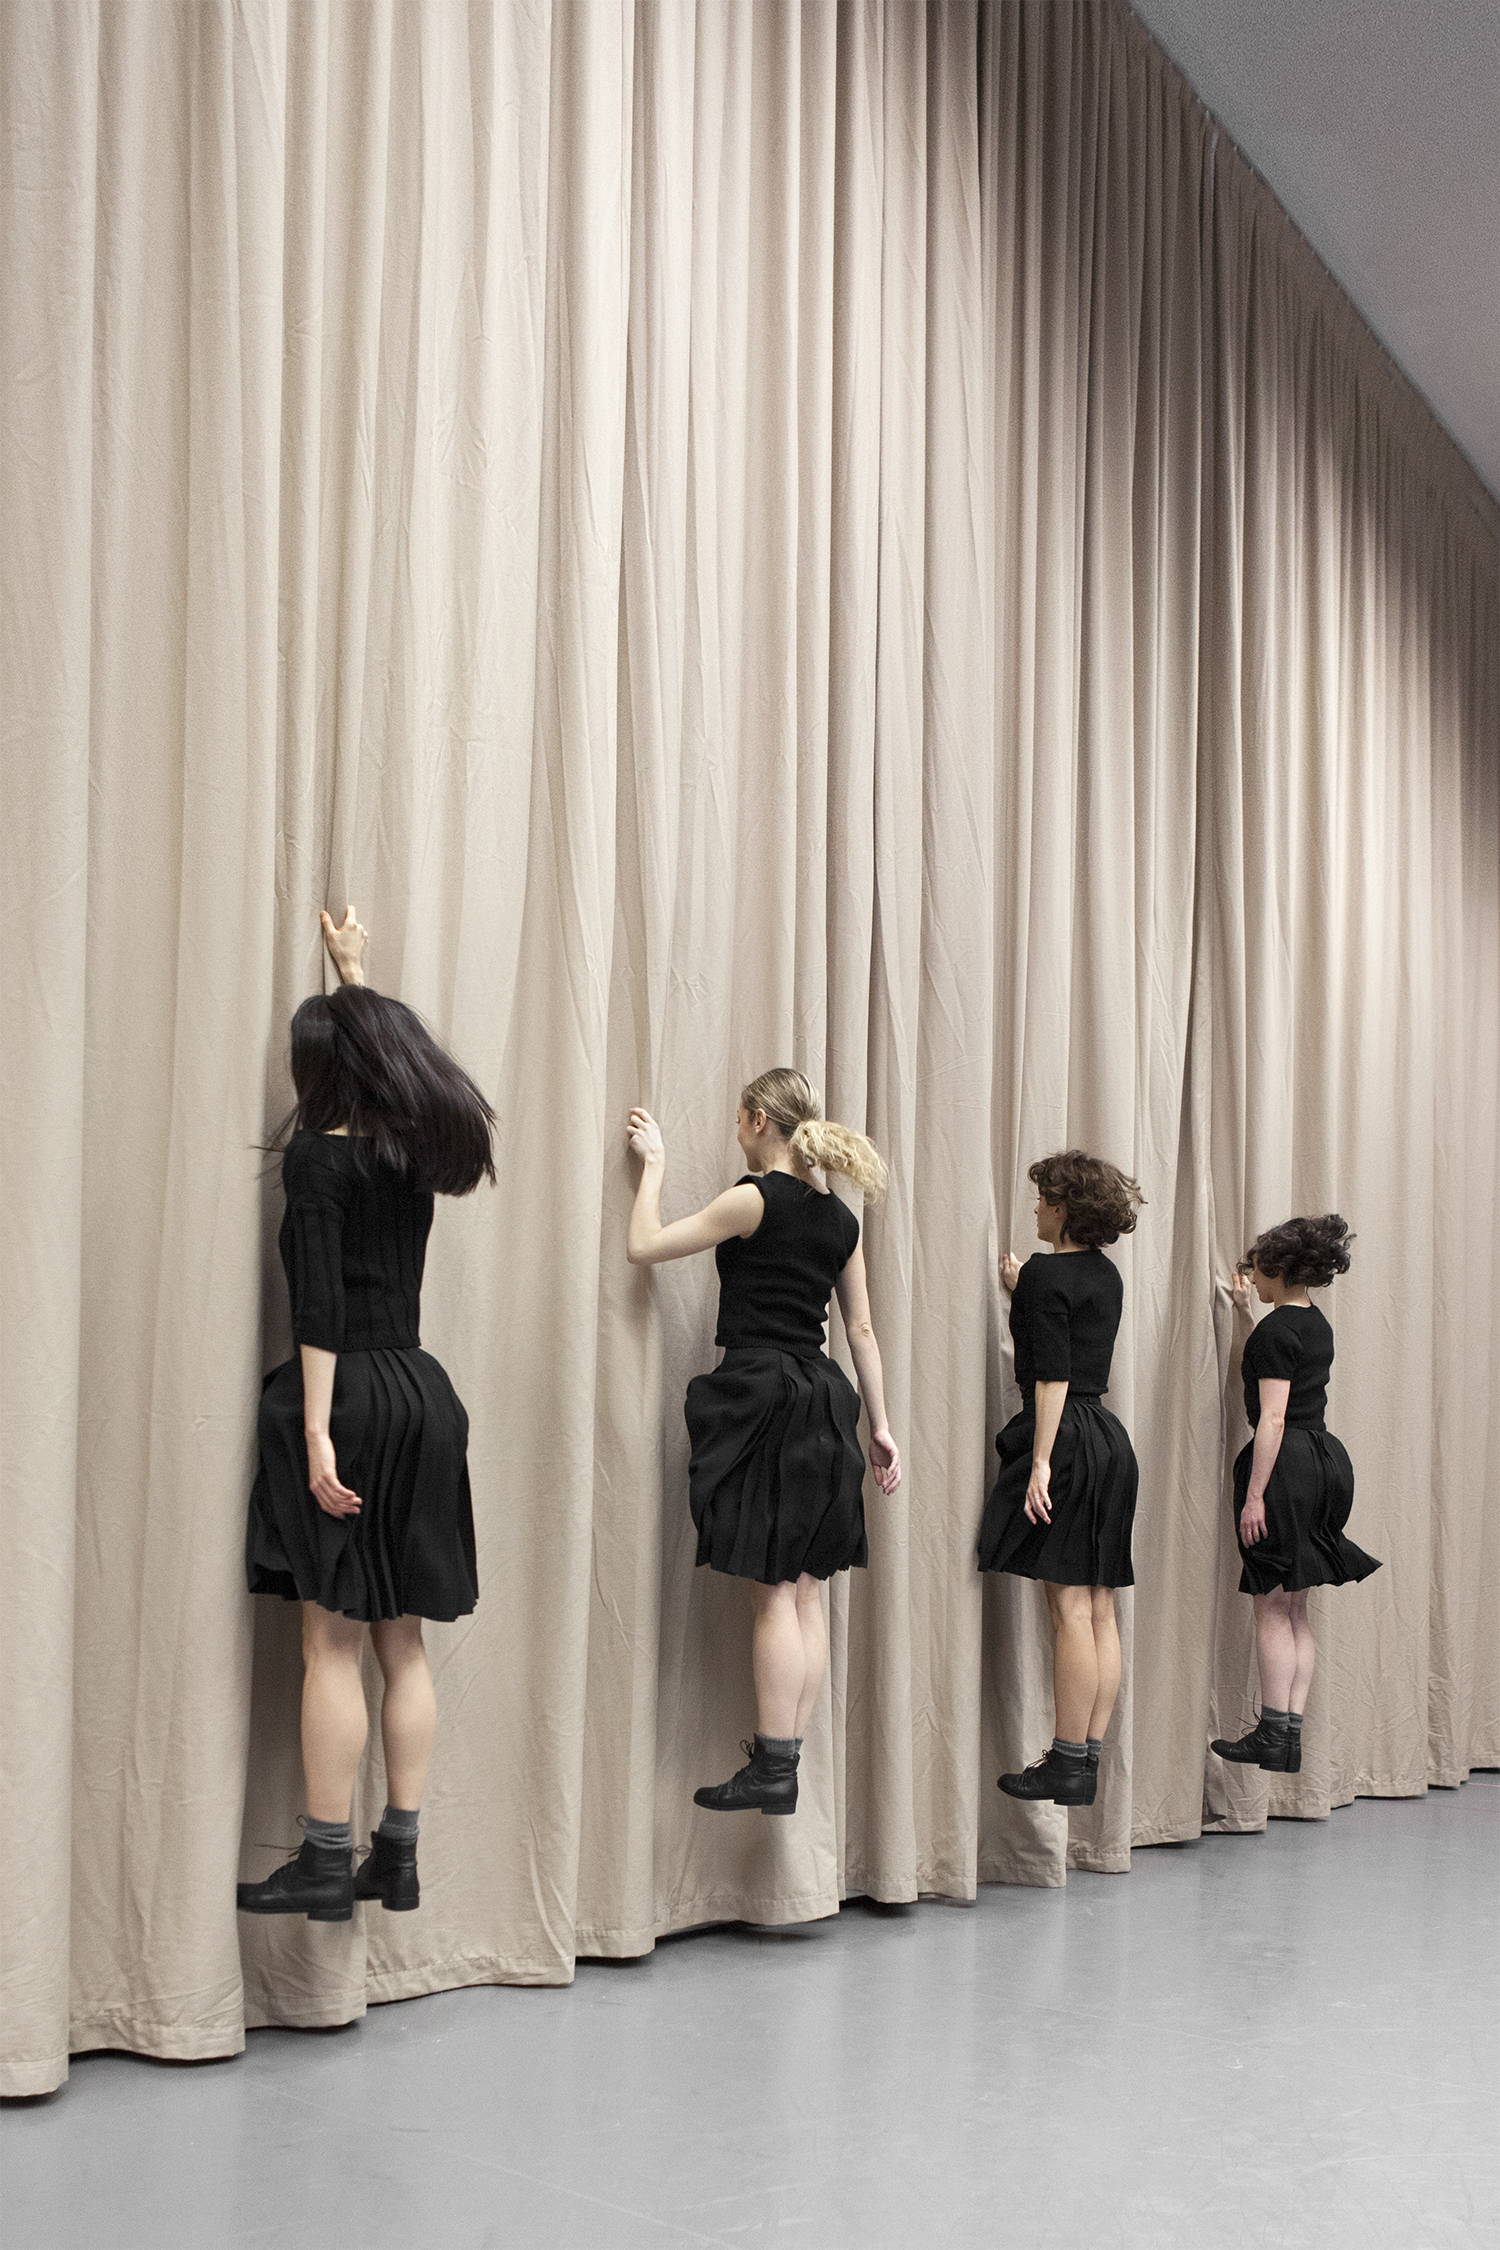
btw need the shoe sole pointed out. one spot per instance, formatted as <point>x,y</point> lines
<point>313,1913</point>
<point>774,1810</point>
<point>1027,1798</point>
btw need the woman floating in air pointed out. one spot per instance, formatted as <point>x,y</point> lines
<point>1293,1483</point>
<point>776,1476</point>
<point>1064,1502</point>
<point>361,1508</point>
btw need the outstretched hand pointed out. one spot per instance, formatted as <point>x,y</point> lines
<point>1010,1269</point>
<point>885,1461</point>
<point>346,942</point>
<point>644,1136</point>
<point>1239,1289</point>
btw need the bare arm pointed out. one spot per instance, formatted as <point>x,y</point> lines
<point>1050,1399</point>
<point>318,1368</point>
<point>854,1303</point>
<point>739,1210</point>
<point>1269,1431</point>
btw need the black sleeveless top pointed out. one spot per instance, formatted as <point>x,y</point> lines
<point>1064,1317</point>
<point>774,1285</point>
<point>1292,1344</point>
<point>353,1243</point>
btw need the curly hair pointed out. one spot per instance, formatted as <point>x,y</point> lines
<point>1101,1200</point>
<point>1304,1253</point>
<point>795,1107</point>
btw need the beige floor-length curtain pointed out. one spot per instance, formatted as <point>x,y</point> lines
<point>846,534</point>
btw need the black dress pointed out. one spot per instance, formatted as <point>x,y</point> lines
<point>1311,1489</point>
<point>353,1242</point>
<point>1064,1317</point>
<point>776,1479</point>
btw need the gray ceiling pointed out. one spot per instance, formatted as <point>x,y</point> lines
<point>1377,125</point>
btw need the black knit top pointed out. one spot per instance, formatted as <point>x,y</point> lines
<point>1064,1317</point>
<point>774,1285</point>
<point>1293,1344</point>
<point>353,1243</point>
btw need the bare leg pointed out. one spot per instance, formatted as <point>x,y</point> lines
<point>777,1656</point>
<point>334,1720</point>
<point>814,1647</point>
<point>408,1712</point>
<point>1307,1652</point>
<point>1107,1654</point>
<point>1275,1648</point>
<point>1075,1662</point>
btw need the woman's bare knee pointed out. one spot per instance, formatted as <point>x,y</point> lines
<point>398,1643</point>
<point>1102,1603</point>
<point>327,1632</point>
<point>1070,1605</point>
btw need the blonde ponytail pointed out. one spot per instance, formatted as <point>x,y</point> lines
<point>794,1106</point>
<point>839,1149</point>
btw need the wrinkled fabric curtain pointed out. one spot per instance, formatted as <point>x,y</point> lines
<point>850,535</point>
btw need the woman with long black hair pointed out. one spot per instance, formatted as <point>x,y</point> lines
<point>1063,1506</point>
<point>1293,1483</point>
<point>361,1506</point>
<point>776,1476</point>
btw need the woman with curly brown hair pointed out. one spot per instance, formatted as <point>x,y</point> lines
<point>1293,1483</point>
<point>1064,1502</point>
<point>776,1477</point>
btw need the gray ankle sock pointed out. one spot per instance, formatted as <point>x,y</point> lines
<point>1294,1721</point>
<point>1071,1753</point>
<point>1275,1720</point>
<point>1094,1745</point>
<point>332,1835</point>
<point>784,1745</point>
<point>394,1822</point>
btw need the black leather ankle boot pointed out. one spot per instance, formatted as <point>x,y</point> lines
<point>1264,1746</point>
<point>319,1883</point>
<point>768,1784</point>
<point>390,1873</point>
<point>1064,1780</point>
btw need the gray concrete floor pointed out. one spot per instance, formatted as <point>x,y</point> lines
<point>1286,2040</point>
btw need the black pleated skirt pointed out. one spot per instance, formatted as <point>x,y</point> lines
<point>400,1436</point>
<point>776,1479</point>
<point>1093,1492</point>
<point>1308,1500</point>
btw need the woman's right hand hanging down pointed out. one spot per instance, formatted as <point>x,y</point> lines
<point>885,1461</point>
<point>334,1498</point>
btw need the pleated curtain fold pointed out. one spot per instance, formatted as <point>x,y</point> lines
<point>848,535</point>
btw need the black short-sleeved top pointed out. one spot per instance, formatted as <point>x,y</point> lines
<point>353,1243</point>
<point>1292,1344</point>
<point>774,1285</point>
<point>1064,1317</point>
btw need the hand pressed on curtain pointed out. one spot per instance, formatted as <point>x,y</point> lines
<point>346,942</point>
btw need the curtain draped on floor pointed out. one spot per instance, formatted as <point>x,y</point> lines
<point>855,536</point>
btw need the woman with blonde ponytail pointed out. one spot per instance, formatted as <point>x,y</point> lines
<point>776,1477</point>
